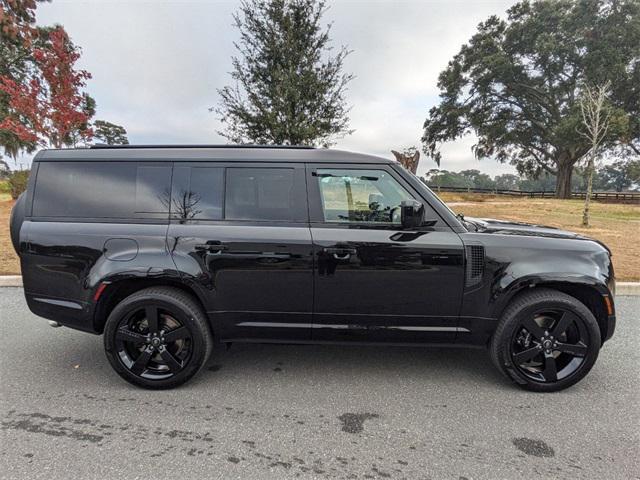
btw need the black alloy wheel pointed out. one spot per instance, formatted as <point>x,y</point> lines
<point>152,343</point>
<point>546,340</point>
<point>158,338</point>
<point>550,345</point>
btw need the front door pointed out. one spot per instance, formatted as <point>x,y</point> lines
<point>373,280</point>
<point>240,234</point>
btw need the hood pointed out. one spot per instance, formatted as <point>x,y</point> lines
<point>505,227</point>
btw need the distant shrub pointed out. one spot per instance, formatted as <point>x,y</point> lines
<point>18,182</point>
<point>4,186</point>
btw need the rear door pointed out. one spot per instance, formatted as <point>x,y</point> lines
<point>90,219</point>
<point>239,232</point>
<point>374,281</point>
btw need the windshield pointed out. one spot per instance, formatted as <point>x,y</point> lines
<point>433,194</point>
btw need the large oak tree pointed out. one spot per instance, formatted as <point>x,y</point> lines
<point>517,82</point>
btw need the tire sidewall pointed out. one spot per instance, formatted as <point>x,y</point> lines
<point>199,350</point>
<point>513,323</point>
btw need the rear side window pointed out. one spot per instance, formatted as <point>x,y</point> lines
<point>260,194</point>
<point>211,191</point>
<point>198,193</point>
<point>102,190</point>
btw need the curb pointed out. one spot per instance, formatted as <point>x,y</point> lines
<point>10,281</point>
<point>628,288</point>
<point>622,288</point>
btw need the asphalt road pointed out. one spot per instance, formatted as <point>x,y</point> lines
<point>279,412</point>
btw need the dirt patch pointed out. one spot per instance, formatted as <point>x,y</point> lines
<point>9,262</point>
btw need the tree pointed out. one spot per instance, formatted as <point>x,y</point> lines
<point>110,133</point>
<point>516,84</point>
<point>478,180</point>
<point>444,178</point>
<point>49,108</point>
<point>619,176</point>
<point>17,34</point>
<point>596,118</point>
<point>507,181</point>
<point>78,134</point>
<point>409,158</point>
<point>17,21</point>
<point>4,170</point>
<point>288,88</point>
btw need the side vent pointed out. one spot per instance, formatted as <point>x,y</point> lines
<point>475,265</point>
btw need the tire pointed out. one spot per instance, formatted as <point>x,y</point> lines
<point>15,223</point>
<point>162,353</point>
<point>545,341</point>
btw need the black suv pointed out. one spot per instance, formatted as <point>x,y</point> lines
<point>166,249</point>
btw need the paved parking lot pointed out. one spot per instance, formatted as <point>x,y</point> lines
<point>262,411</point>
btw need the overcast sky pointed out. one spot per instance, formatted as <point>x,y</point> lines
<point>156,66</point>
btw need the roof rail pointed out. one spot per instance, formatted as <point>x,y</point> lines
<point>249,145</point>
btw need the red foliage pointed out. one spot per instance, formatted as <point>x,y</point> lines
<point>16,21</point>
<point>49,110</point>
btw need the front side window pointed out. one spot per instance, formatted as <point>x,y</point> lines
<point>372,196</point>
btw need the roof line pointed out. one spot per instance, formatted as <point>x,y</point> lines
<point>249,145</point>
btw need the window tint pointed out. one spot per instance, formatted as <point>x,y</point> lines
<point>260,194</point>
<point>360,196</point>
<point>198,193</point>
<point>101,190</point>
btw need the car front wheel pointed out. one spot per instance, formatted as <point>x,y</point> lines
<point>545,341</point>
<point>157,338</point>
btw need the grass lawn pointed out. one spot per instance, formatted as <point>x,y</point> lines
<point>617,225</point>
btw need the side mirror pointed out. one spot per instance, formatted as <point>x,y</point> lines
<point>411,214</point>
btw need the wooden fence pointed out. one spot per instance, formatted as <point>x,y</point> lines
<point>623,197</point>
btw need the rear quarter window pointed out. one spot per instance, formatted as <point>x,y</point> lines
<point>102,190</point>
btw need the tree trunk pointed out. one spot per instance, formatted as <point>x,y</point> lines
<point>563,182</point>
<point>587,197</point>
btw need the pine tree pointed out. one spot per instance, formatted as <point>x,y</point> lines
<point>289,88</point>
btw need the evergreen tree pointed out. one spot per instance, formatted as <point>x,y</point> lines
<point>109,133</point>
<point>289,88</point>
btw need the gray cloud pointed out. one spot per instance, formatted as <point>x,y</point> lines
<point>156,65</point>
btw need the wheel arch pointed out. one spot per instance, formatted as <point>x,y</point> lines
<point>588,293</point>
<point>117,291</point>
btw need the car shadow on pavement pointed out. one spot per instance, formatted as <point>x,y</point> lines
<point>324,362</point>
<point>328,364</point>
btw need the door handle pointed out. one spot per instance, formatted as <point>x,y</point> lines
<point>341,253</point>
<point>213,248</point>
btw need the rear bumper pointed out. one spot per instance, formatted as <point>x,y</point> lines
<point>76,315</point>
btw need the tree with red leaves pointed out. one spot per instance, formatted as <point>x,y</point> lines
<point>49,108</point>
<point>17,35</point>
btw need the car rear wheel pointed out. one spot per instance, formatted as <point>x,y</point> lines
<point>546,341</point>
<point>157,338</point>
